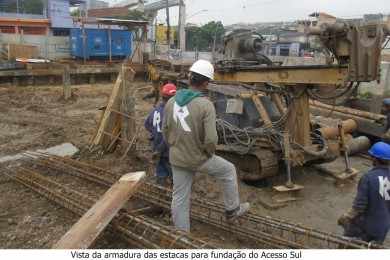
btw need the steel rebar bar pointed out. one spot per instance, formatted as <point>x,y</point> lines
<point>270,232</point>
<point>137,230</point>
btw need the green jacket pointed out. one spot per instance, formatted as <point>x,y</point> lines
<point>189,129</point>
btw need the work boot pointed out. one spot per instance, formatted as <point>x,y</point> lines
<point>238,212</point>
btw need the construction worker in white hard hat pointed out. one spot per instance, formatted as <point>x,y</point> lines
<point>189,127</point>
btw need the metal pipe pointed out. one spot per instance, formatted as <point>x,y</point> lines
<point>278,102</point>
<point>350,111</point>
<point>110,42</point>
<point>84,35</point>
<point>364,125</point>
<point>348,126</point>
<point>168,26</point>
<point>286,146</point>
<point>357,145</point>
<point>343,148</point>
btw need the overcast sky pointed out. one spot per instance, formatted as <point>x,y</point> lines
<point>250,11</point>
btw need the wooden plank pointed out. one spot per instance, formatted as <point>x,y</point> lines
<point>128,106</point>
<point>66,83</point>
<point>34,72</point>
<point>88,228</point>
<point>112,104</point>
<point>298,123</point>
<point>22,51</point>
<point>284,188</point>
<point>58,72</point>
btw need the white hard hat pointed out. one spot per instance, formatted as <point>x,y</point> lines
<point>204,68</point>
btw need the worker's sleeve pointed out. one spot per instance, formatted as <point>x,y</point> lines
<point>164,128</point>
<point>210,129</point>
<point>149,122</point>
<point>360,203</point>
<point>162,147</point>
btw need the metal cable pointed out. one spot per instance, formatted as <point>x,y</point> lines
<point>349,90</point>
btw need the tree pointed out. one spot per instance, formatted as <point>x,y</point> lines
<point>8,6</point>
<point>23,6</point>
<point>202,38</point>
<point>76,13</point>
<point>31,6</point>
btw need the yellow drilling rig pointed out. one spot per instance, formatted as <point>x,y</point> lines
<point>259,103</point>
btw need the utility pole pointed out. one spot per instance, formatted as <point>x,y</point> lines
<point>168,25</point>
<point>182,25</point>
<point>215,44</point>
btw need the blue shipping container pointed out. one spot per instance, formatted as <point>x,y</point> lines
<point>97,43</point>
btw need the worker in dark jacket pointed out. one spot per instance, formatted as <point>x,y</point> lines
<point>369,218</point>
<point>153,124</point>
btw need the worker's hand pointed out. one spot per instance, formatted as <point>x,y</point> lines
<point>156,156</point>
<point>344,220</point>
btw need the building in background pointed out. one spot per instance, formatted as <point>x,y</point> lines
<point>315,21</point>
<point>150,10</point>
<point>375,18</point>
<point>128,3</point>
<point>161,34</point>
<point>93,4</point>
<point>36,17</point>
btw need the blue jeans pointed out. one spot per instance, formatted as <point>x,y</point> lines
<point>163,169</point>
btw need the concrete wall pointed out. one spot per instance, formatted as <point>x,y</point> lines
<point>377,90</point>
<point>59,14</point>
<point>50,47</point>
<point>382,88</point>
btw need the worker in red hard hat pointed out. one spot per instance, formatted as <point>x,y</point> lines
<point>153,124</point>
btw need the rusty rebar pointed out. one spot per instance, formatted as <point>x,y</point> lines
<point>137,230</point>
<point>270,232</point>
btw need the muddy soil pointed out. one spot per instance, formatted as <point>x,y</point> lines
<point>37,117</point>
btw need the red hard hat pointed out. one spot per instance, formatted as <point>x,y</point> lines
<point>168,90</point>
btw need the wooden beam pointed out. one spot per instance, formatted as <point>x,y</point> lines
<point>128,129</point>
<point>58,72</point>
<point>298,123</point>
<point>22,51</point>
<point>66,83</point>
<point>113,103</point>
<point>88,228</point>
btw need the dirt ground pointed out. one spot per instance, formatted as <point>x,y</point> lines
<point>37,117</point>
